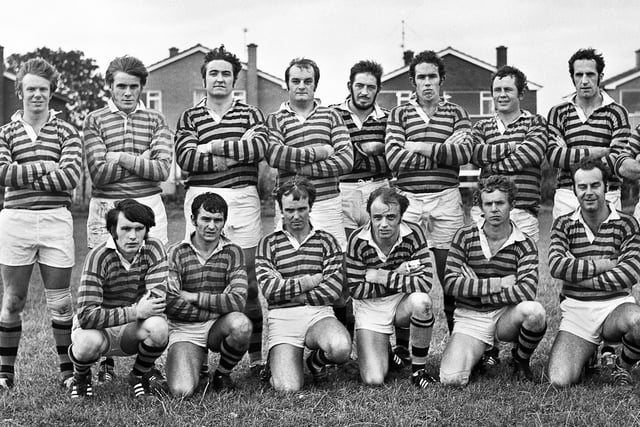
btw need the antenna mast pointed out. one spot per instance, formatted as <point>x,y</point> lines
<point>402,44</point>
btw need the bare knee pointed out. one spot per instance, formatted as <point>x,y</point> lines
<point>339,348</point>
<point>286,385</point>
<point>154,331</point>
<point>12,306</point>
<point>372,378</point>
<point>535,316</point>
<point>420,304</point>
<point>240,327</point>
<point>88,344</point>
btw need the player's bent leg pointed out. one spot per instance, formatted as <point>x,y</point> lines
<point>183,368</point>
<point>58,297</point>
<point>623,324</point>
<point>568,356</point>
<point>440,258</point>
<point>230,335</point>
<point>153,331</point>
<point>253,310</point>
<point>330,336</point>
<point>16,285</point>
<point>373,356</point>
<point>285,362</point>
<point>417,311</point>
<point>459,357</point>
<point>87,347</point>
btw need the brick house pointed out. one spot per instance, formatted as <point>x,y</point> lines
<point>625,89</point>
<point>467,83</point>
<point>175,83</point>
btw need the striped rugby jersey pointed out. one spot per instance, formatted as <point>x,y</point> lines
<point>365,166</point>
<point>109,288</point>
<point>281,261</point>
<point>29,184</point>
<point>363,253</point>
<point>493,154</point>
<point>417,173</point>
<point>109,129</point>
<point>199,125</point>
<point>518,256</point>
<point>291,143</point>
<point>607,126</point>
<point>220,281</point>
<point>632,150</point>
<point>574,246</point>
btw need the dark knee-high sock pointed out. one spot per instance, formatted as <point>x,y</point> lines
<point>10,334</point>
<point>527,342</point>
<point>145,358</point>
<point>319,358</point>
<point>62,337</point>
<point>630,354</point>
<point>80,369</point>
<point>229,357</point>
<point>421,330</point>
<point>449,307</point>
<point>402,337</point>
<point>253,310</point>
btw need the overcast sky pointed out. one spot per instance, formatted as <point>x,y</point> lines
<point>540,34</point>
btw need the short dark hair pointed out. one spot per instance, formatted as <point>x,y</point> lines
<point>210,202</point>
<point>508,70</point>
<point>224,55</point>
<point>38,67</point>
<point>127,64</point>
<point>493,183</point>
<point>388,196</point>
<point>134,211</point>
<point>366,66</point>
<point>303,63</point>
<point>298,188</point>
<point>590,163</point>
<point>588,53</point>
<point>429,57</point>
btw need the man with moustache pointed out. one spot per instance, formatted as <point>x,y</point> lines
<point>389,275</point>
<point>595,252</point>
<point>427,140</point>
<point>219,143</point>
<point>492,271</point>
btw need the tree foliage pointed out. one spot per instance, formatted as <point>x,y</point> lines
<point>79,81</point>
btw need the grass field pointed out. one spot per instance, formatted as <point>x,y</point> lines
<point>343,401</point>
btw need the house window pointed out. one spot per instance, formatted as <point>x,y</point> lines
<point>630,99</point>
<point>486,104</point>
<point>240,95</point>
<point>154,100</point>
<point>403,96</point>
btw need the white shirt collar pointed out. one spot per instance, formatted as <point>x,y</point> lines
<point>502,128</point>
<point>222,242</point>
<point>114,108</point>
<point>515,236</point>
<point>286,106</point>
<point>375,114</point>
<point>577,216</point>
<point>367,235</point>
<point>111,244</point>
<point>31,133</point>
<point>413,100</point>
<point>294,242</point>
<point>571,99</point>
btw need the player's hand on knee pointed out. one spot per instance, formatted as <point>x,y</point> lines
<point>149,305</point>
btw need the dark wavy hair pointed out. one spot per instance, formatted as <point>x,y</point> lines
<point>507,70</point>
<point>127,64</point>
<point>367,66</point>
<point>134,211</point>
<point>298,188</point>
<point>210,202</point>
<point>303,63</point>
<point>429,57</point>
<point>225,55</point>
<point>588,53</point>
<point>493,183</point>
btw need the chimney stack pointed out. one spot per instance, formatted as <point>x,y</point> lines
<point>638,58</point>
<point>407,57</point>
<point>3,99</point>
<point>501,56</point>
<point>252,74</point>
<point>173,51</point>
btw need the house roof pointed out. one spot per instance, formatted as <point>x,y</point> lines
<point>451,51</point>
<point>203,49</point>
<point>622,78</point>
